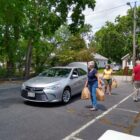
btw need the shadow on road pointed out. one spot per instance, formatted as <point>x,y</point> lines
<point>101,107</point>
<point>114,93</point>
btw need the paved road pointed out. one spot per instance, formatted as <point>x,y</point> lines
<point>21,120</point>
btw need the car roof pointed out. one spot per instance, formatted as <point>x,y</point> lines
<point>67,67</point>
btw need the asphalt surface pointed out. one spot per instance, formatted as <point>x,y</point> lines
<point>21,120</point>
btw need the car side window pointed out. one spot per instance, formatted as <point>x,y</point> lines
<point>75,72</point>
<point>82,72</point>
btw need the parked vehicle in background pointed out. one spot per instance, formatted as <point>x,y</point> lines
<point>54,85</point>
<point>82,65</point>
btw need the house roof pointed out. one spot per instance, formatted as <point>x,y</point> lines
<point>126,56</point>
<point>99,57</point>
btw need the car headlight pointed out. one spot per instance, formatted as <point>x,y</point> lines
<point>23,86</point>
<point>53,87</point>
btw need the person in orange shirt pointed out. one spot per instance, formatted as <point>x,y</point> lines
<point>107,76</point>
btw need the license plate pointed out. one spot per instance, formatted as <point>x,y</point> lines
<point>31,94</point>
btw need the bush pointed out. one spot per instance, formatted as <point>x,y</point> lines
<point>3,72</point>
<point>121,72</point>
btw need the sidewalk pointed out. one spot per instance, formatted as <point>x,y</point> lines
<point>123,78</point>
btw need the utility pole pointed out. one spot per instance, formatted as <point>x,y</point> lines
<point>134,31</point>
<point>134,34</point>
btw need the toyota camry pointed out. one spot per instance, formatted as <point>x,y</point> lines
<point>54,85</point>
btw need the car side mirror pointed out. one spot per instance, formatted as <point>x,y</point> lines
<point>74,76</point>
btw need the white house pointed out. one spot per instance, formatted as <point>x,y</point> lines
<point>101,60</point>
<point>127,61</point>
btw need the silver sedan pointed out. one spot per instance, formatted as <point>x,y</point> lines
<point>54,85</point>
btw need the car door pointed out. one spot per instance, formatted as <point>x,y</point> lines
<point>74,82</point>
<point>82,78</point>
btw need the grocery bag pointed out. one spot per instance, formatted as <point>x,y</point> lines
<point>114,84</point>
<point>85,94</point>
<point>100,94</point>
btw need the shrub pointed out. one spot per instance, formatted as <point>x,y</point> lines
<point>121,72</point>
<point>3,72</point>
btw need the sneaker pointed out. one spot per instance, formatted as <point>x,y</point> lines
<point>93,109</point>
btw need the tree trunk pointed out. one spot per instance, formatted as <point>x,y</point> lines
<point>28,59</point>
<point>9,60</point>
<point>10,69</point>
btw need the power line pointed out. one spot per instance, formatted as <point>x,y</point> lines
<point>105,10</point>
<point>96,28</point>
<point>119,6</point>
<point>109,9</point>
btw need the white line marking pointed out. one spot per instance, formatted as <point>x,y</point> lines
<point>128,110</point>
<point>74,138</point>
<point>95,119</point>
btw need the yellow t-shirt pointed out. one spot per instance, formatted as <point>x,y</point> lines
<point>107,74</point>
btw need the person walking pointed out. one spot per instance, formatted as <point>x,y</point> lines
<point>107,76</point>
<point>93,83</point>
<point>136,80</point>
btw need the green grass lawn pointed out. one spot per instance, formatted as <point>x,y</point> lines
<point>120,72</point>
<point>100,70</point>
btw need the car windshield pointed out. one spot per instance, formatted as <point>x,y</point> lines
<point>56,72</point>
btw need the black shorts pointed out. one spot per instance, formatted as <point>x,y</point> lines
<point>108,81</point>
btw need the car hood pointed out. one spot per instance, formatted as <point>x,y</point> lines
<point>43,81</point>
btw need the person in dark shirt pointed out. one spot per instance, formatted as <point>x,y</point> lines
<point>93,83</point>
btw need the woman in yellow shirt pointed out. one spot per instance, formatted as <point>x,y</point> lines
<point>107,76</point>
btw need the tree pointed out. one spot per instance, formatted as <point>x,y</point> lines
<point>34,23</point>
<point>43,18</point>
<point>69,50</point>
<point>114,40</point>
<point>62,35</point>
<point>85,55</point>
<point>11,17</point>
<point>111,43</point>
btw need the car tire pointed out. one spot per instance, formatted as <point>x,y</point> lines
<point>66,96</point>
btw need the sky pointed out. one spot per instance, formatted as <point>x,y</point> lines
<point>107,10</point>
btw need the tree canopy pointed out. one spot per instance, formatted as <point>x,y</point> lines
<point>114,40</point>
<point>28,26</point>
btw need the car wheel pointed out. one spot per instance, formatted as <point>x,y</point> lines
<point>66,96</point>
